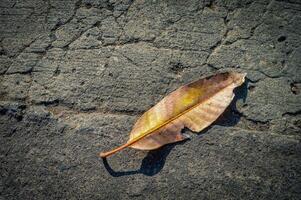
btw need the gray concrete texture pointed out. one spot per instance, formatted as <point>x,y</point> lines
<point>75,75</point>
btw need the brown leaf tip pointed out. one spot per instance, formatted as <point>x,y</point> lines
<point>238,78</point>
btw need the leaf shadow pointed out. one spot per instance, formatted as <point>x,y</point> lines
<point>152,164</point>
<point>154,161</point>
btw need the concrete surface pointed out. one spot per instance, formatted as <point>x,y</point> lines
<point>75,75</point>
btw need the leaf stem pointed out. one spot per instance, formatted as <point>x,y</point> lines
<point>109,153</point>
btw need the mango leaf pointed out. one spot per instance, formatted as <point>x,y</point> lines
<point>195,106</point>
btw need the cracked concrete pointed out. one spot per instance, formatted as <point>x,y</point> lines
<point>75,75</point>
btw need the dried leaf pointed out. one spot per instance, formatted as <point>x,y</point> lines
<point>195,106</point>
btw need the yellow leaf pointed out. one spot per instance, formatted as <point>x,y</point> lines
<point>195,106</point>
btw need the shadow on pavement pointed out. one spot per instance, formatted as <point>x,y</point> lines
<point>151,164</point>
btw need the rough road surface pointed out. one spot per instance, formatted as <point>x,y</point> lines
<point>75,75</point>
